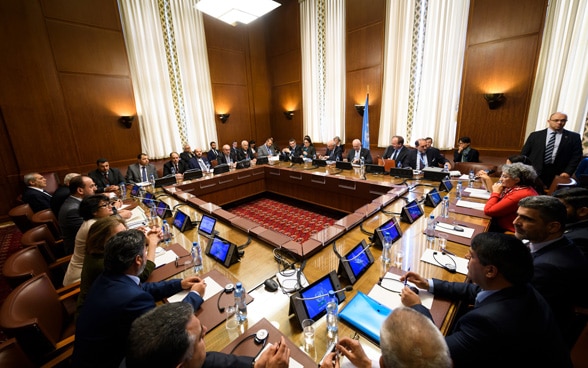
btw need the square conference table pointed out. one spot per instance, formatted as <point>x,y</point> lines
<point>367,202</point>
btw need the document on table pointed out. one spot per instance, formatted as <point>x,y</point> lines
<point>165,257</point>
<point>212,288</point>
<point>470,204</point>
<point>478,193</point>
<point>437,259</point>
<point>467,232</point>
<point>391,297</point>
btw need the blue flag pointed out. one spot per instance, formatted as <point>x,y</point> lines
<point>365,130</point>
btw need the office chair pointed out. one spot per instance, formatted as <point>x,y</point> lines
<point>41,237</point>
<point>41,319</point>
<point>22,216</point>
<point>48,218</point>
<point>29,262</point>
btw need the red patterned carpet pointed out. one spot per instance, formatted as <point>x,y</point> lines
<point>292,218</point>
<point>9,243</point>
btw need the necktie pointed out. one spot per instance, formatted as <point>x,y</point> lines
<point>395,155</point>
<point>549,149</point>
<point>176,168</point>
<point>144,173</point>
<point>201,163</point>
<point>106,178</point>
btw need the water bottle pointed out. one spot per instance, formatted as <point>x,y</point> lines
<point>458,190</point>
<point>446,167</point>
<point>332,317</point>
<point>445,208</point>
<point>240,295</point>
<point>152,180</point>
<point>166,233</point>
<point>472,178</point>
<point>123,191</point>
<point>399,164</point>
<point>430,232</point>
<point>153,215</point>
<point>387,249</point>
<point>197,257</point>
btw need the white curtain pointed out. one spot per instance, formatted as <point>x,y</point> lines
<point>166,123</point>
<point>437,98</point>
<point>397,51</point>
<point>561,83</point>
<point>444,47</point>
<point>322,27</point>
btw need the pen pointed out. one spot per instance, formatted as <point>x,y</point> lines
<point>406,278</point>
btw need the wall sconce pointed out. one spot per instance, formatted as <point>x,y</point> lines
<point>289,114</point>
<point>360,109</point>
<point>224,117</point>
<point>127,121</point>
<point>495,100</point>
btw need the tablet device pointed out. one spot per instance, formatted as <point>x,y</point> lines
<point>206,227</point>
<point>163,210</point>
<point>136,190</point>
<point>222,168</point>
<point>222,251</point>
<point>354,264</point>
<point>319,163</point>
<point>166,180</point>
<point>182,221</point>
<point>433,198</point>
<point>411,212</point>
<point>374,169</point>
<point>389,229</point>
<point>192,174</point>
<point>343,165</point>
<point>311,302</point>
<point>148,199</point>
<point>262,161</point>
<point>401,173</point>
<point>445,186</point>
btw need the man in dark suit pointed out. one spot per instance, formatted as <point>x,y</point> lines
<point>465,152</point>
<point>62,193</point>
<point>561,270</point>
<point>116,299</point>
<point>510,320</point>
<point>174,165</point>
<point>227,157</point>
<point>424,157</point>
<point>199,161</point>
<point>576,202</point>
<point>559,155</point>
<point>187,154</point>
<point>396,151</point>
<point>293,150</point>
<point>172,336</point>
<point>358,152</point>
<point>333,153</point>
<point>34,194</point>
<point>69,217</point>
<point>213,153</point>
<point>141,171</point>
<point>244,152</point>
<point>106,178</point>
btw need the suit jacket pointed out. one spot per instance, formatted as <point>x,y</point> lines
<point>472,156</point>
<point>193,164</point>
<point>212,155</point>
<point>334,155</point>
<point>577,232</point>
<point>567,158</point>
<point>507,329</point>
<point>115,177</point>
<point>264,151</point>
<point>69,222</point>
<point>561,276</point>
<point>134,173</point>
<point>221,360</point>
<point>222,160</point>
<point>296,152</point>
<point>401,158</point>
<point>36,199</point>
<point>244,155</point>
<point>186,156</point>
<point>434,158</point>
<point>364,152</point>
<point>167,168</point>
<point>111,306</point>
<point>60,195</point>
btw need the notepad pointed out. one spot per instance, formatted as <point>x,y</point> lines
<point>391,299</point>
<point>478,193</point>
<point>470,204</point>
<point>165,258</point>
<point>212,288</point>
<point>439,260</point>
<point>467,232</point>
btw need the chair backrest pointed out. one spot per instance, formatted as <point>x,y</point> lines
<point>40,236</point>
<point>465,167</point>
<point>387,163</point>
<point>12,356</point>
<point>34,315</point>
<point>561,182</point>
<point>213,163</point>
<point>23,265</point>
<point>48,218</point>
<point>22,216</point>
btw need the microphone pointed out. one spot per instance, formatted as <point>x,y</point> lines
<point>346,288</point>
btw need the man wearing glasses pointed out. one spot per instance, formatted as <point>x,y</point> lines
<point>554,150</point>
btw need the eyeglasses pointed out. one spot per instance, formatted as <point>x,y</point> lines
<point>104,205</point>
<point>559,120</point>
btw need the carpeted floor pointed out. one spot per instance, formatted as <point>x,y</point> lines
<point>9,243</point>
<point>295,219</point>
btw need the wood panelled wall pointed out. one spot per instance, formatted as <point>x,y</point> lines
<point>65,80</point>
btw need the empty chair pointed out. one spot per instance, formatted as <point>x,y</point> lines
<point>29,262</point>
<point>48,218</point>
<point>12,356</point>
<point>22,216</point>
<point>41,237</point>
<point>36,315</point>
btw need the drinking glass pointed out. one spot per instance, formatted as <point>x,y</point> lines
<point>398,257</point>
<point>442,241</point>
<point>232,323</point>
<point>308,331</point>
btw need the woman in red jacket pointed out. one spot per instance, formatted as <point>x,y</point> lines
<point>515,184</point>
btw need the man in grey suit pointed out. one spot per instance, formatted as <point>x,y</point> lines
<point>559,155</point>
<point>69,218</point>
<point>266,149</point>
<point>141,171</point>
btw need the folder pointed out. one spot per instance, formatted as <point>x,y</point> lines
<point>366,315</point>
